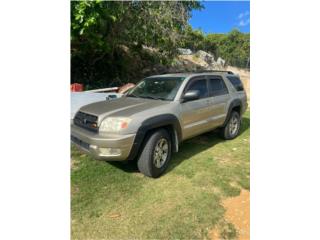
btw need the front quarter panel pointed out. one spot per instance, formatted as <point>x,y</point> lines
<point>141,117</point>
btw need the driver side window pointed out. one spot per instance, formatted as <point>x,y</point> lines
<point>200,85</point>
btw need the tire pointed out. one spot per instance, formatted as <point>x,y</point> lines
<point>231,130</point>
<point>154,159</point>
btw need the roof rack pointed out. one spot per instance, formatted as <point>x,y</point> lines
<point>203,71</point>
<point>208,71</point>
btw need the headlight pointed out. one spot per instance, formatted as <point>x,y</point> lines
<point>114,124</point>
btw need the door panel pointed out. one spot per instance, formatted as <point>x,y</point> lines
<point>218,101</point>
<point>218,110</point>
<point>195,114</point>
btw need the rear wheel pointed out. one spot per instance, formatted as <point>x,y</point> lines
<point>231,130</point>
<point>156,154</point>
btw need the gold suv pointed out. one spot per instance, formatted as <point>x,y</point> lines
<point>157,115</point>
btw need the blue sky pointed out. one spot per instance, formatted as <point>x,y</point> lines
<point>222,16</point>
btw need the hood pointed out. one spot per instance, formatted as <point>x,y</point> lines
<point>121,107</point>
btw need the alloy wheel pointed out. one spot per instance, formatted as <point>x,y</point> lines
<point>160,153</point>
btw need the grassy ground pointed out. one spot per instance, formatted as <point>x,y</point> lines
<point>115,201</point>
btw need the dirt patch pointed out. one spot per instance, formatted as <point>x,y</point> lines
<point>74,164</point>
<point>237,213</point>
<point>74,190</point>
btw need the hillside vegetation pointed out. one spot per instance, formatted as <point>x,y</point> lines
<point>118,42</point>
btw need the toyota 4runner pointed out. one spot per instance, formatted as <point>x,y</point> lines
<point>150,122</point>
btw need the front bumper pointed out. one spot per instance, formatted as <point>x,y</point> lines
<point>112,147</point>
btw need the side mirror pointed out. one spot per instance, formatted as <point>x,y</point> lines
<point>191,95</point>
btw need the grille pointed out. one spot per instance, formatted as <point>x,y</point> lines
<point>87,121</point>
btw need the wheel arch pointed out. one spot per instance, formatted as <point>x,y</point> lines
<point>167,121</point>
<point>236,105</point>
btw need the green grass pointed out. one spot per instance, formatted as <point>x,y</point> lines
<point>115,201</point>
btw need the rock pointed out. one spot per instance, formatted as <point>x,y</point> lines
<point>185,62</point>
<point>221,62</point>
<point>207,57</point>
<point>184,51</point>
<point>150,49</point>
<point>216,66</point>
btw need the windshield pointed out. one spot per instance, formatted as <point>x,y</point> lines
<point>164,88</point>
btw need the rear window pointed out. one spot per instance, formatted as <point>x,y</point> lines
<point>236,82</point>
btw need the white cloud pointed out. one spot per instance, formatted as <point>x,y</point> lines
<point>244,18</point>
<point>243,23</point>
<point>243,14</point>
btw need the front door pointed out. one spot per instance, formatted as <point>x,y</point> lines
<point>196,113</point>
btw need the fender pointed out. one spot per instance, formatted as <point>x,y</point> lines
<point>234,103</point>
<point>154,123</point>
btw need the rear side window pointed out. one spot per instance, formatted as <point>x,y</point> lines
<point>200,85</point>
<point>236,82</point>
<point>217,87</point>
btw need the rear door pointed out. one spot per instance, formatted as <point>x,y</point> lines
<point>219,97</point>
<point>195,114</point>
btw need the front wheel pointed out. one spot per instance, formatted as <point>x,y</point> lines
<point>231,130</point>
<point>156,154</point>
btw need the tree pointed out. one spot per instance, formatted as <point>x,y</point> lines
<point>194,39</point>
<point>235,48</point>
<point>100,30</point>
